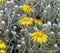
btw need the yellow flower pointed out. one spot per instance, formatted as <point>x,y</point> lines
<point>26,8</point>
<point>38,21</point>
<point>25,21</point>
<point>1,1</point>
<point>2,45</point>
<point>2,51</point>
<point>39,37</point>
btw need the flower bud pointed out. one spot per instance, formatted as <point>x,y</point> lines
<point>35,28</point>
<point>23,42</point>
<point>0,15</point>
<point>41,3</point>
<point>16,6</point>
<point>18,14</point>
<point>7,2</point>
<point>48,6</point>
<point>54,24</point>
<point>11,1</point>
<point>48,23</point>
<point>3,22</point>
<point>19,45</point>
<point>14,27</point>
<point>7,30</point>
<point>1,11</point>
<point>22,39</point>
<point>59,25</point>
<point>44,25</point>
<point>13,32</point>
<point>55,45</point>
<point>20,6</point>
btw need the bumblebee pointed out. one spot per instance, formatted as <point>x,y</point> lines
<point>37,17</point>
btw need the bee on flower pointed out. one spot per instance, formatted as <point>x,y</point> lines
<point>39,36</point>
<point>25,21</point>
<point>38,21</point>
<point>1,1</point>
<point>26,8</point>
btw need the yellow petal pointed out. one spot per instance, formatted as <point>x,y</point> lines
<point>32,34</point>
<point>32,38</point>
<point>45,39</point>
<point>2,51</point>
<point>39,40</point>
<point>45,36</point>
<point>35,38</point>
<point>2,46</point>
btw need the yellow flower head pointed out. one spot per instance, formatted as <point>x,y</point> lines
<point>2,45</point>
<point>38,21</point>
<point>26,8</point>
<point>25,21</point>
<point>1,1</point>
<point>2,51</point>
<point>39,37</point>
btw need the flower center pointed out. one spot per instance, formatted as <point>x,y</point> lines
<point>39,34</point>
<point>26,20</point>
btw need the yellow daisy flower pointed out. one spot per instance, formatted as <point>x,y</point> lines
<point>1,1</point>
<point>26,8</point>
<point>39,37</point>
<point>38,21</point>
<point>25,21</point>
<point>2,45</point>
<point>2,51</point>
